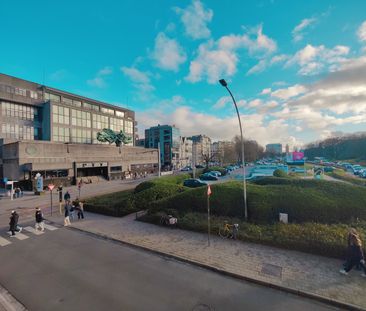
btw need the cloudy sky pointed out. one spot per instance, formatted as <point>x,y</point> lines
<point>297,69</point>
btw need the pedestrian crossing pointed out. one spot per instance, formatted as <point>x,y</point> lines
<point>30,231</point>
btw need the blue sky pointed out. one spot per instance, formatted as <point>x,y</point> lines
<point>297,69</point>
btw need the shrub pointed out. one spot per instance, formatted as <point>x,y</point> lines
<point>115,204</point>
<point>171,179</point>
<point>279,173</point>
<point>302,200</point>
<point>320,239</point>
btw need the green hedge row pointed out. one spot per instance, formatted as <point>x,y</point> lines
<point>320,239</point>
<point>215,168</point>
<point>304,201</point>
<point>341,175</point>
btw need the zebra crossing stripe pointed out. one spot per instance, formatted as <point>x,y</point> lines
<point>49,227</point>
<point>34,231</point>
<point>21,236</point>
<point>4,242</point>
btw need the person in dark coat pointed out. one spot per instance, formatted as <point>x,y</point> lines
<point>67,214</point>
<point>39,219</point>
<point>355,255</point>
<point>14,218</point>
<point>67,197</point>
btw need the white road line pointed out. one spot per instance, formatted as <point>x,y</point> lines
<point>21,236</point>
<point>4,242</point>
<point>49,227</point>
<point>34,231</point>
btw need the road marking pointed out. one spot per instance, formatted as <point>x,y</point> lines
<point>4,242</point>
<point>21,236</point>
<point>49,227</point>
<point>34,231</point>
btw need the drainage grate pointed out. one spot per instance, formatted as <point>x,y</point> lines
<point>272,270</point>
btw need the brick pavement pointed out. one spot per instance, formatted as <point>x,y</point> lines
<point>291,269</point>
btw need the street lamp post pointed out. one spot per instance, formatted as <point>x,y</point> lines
<point>224,84</point>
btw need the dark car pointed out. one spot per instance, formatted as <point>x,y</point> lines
<point>208,176</point>
<point>193,183</point>
<point>199,166</point>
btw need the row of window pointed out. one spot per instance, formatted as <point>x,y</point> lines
<point>79,104</point>
<point>16,131</point>
<point>18,91</point>
<point>62,134</point>
<point>61,115</point>
<point>23,112</point>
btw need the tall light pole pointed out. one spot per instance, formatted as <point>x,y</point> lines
<point>224,84</point>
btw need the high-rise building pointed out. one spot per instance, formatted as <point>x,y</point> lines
<point>167,139</point>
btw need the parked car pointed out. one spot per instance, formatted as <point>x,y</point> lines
<point>328,169</point>
<point>194,183</point>
<point>186,169</point>
<point>208,176</point>
<point>215,173</point>
<point>199,166</point>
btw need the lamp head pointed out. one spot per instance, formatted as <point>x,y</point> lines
<point>223,82</point>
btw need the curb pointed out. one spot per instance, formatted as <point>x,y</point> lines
<point>301,293</point>
<point>9,302</point>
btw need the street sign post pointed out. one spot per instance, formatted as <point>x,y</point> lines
<point>51,187</point>
<point>79,186</point>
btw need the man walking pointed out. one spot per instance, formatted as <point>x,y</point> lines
<point>67,197</point>
<point>67,214</point>
<point>39,219</point>
<point>14,223</point>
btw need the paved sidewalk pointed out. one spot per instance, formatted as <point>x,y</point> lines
<point>294,270</point>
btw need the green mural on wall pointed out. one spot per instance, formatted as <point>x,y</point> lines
<point>108,135</point>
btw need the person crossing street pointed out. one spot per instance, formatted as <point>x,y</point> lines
<point>39,219</point>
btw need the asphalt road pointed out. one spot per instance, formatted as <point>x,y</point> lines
<point>70,270</point>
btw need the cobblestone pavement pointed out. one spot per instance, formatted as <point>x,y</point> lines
<point>300,271</point>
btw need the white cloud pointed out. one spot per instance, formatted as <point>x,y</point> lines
<point>298,31</point>
<point>255,103</point>
<point>266,91</point>
<point>263,64</point>
<point>195,19</point>
<point>289,92</point>
<point>361,32</point>
<point>141,80</point>
<point>221,103</point>
<point>315,59</point>
<point>168,54</point>
<point>97,82</point>
<point>219,59</point>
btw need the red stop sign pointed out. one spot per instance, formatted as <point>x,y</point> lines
<point>51,186</point>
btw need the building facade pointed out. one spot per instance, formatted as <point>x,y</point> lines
<point>201,149</point>
<point>186,145</point>
<point>274,149</point>
<point>30,112</point>
<point>167,139</point>
<point>222,152</point>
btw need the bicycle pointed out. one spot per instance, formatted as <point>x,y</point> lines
<point>229,231</point>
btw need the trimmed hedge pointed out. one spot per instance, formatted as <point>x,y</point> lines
<point>279,173</point>
<point>341,175</point>
<point>171,179</point>
<point>326,240</point>
<point>304,201</point>
<point>116,204</point>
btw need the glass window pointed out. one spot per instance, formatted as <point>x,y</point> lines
<point>18,111</point>
<point>81,136</point>
<point>60,114</point>
<point>80,118</point>
<point>20,91</point>
<point>61,134</point>
<point>90,106</point>
<point>106,110</point>
<point>100,122</point>
<point>128,127</point>
<point>53,97</point>
<point>120,114</point>
<point>33,94</point>
<point>116,124</point>
<point>16,131</point>
<point>67,101</point>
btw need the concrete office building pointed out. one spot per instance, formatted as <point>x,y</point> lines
<point>186,145</point>
<point>52,118</point>
<point>167,138</point>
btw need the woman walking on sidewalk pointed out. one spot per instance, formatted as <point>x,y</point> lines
<point>67,214</point>
<point>355,254</point>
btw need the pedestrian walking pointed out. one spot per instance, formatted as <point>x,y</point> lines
<point>355,254</point>
<point>67,197</point>
<point>79,207</point>
<point>14,218</point>
<point>39,219</point>
<point>67,214</point>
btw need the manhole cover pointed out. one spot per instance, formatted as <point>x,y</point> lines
<point>272,270</point>
<point>202,307</point>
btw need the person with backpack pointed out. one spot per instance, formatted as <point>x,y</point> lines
<point>14,218</point>
<point>39,219</point>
